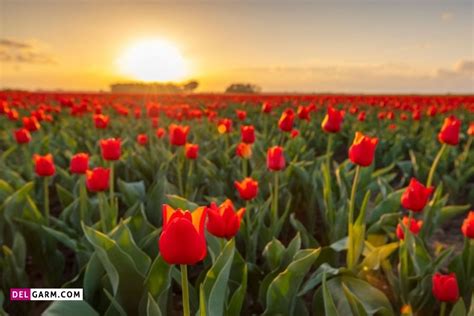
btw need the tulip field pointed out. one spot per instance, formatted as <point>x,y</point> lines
<point>227,204</point>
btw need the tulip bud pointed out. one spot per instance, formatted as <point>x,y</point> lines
<point>243,150</point>
<point>142,139</point>
<point>247,133</point>
<point>468,226</point>
<point>98,179</point>
<point>248,188</point>
<point>223,221</point>
<point>44,165</point>
<point>182,239</point>
<point>414,227</point>
<point>416,196</point>
<point>445,287</point>
<point>287,120</point>
<point>110,148</point>
<point>333,120</point>
<point>275,158</point>
<point>79,163</point>
<point>191,151</point>
<point>22,136</point>
<point>449,133</point>
<point>362,150</point>
<point>101,121</point>
<point>178,134</point>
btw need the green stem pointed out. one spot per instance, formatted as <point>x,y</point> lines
<point>188,182</point>
<point>83,198</point>
<point>46,199</point>
<point>185,288</point>
<point>435,164</point>
<point>103,214</point>
<point>111,186</point>
<point>328,152</point>
<point>466,149</point>
<point>443,309</point>
<point>245,167</point>
<point>351,247</point>
<point>178,171</point>
<point>275,198</point>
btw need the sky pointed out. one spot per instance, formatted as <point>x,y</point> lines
<point>384,46</point>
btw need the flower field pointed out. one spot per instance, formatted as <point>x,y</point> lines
<point>212,204</point>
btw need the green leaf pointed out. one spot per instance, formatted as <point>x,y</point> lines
<point>329,306</point>
<point>215,282</point>
<point>390,204</point>
<point>284,288</point>
<point>65,197</point>
<point>70,308</point>
<point>459,309</point>
<point>179,202</point>
<point>152,309</point>
<point>132,192</point>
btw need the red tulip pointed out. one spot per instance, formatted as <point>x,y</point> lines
<point>361,116</point>
<point>182,239</point>
<point>223,221</point>
<point>22,136</point>
<point>445,287</point>
<point>275,158</point>
<point>416,196</point>
<point>44,165</point>
<point>266,107</point>
<point>241,115</point>
<point>79,163</point>
<point>468,226</point>
<point>13,115</point>
<point>333,120</point>
<point>98,179</point>
<point>101,121</point>
<point>449,133</point>
<point>248,188</point>
<point>362,150</point>
<point>243,150</point>
<point>224,126</point>
<point>142,139</point>
<point>160,132</point>
<point>178,134</point>
<point>414,227</point>
<point>416,115</point>
<point>31,124</point>
<point>294,133</point>
<point>286,120</point>
<point>247,133</point>
<point>110,148</point>
<point>304,112</point>
<point>470,130</point>
<point>191,151</point>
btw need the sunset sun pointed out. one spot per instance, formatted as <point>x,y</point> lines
<point>152,60</point>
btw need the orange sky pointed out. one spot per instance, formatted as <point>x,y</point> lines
<point>341,46</point>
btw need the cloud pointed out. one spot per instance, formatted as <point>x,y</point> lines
<point>21,52</point>
<point>462,69</point>
<point>447,16</point>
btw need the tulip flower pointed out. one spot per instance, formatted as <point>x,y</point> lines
<point>470,130</point>
<point>44,167</point>
<point>101,121</point>
<point>333,120</point>
<point>414,227</point>
<point>243,150</point>
<point>468,226</point>
<point>361,116</point>
<point>224,126</point>
<point>248,188</point>
<point>416,115</point>
<point>449,133</point>
<point>182,241</point>
<point>294,133</point>
<point>12,115</point>
<point>362,150</point>
<point>223,221</point>
<point>304,112</point>
<point>247,133</point>
<point>287,120</point>
<point>416,196</point>
<point>178,134</point>
<point>445,289</point>
<point>241,115</point>
<point>31,124</point>
<point>142,139</point>
<point>275,158</point>
<point>160,132</point>
<point>79,163</point>
<point>266,107</point>
<point>22,136</point>
<point>98,179</point>
<point>111,151</point>
<point>191,151</point>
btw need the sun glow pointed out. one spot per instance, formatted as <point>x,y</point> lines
<point>153,60</point>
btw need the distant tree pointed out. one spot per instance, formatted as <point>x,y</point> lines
<point>243,88</point>
<point>190,86</point>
